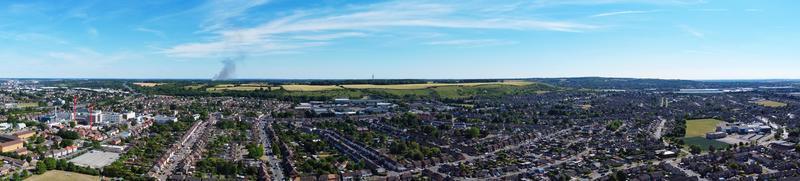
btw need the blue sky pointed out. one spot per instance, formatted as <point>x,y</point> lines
<point>298,39</point>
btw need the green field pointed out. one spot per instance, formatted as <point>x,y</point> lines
<point>432,85</point>
<point>767,103</point>
<point>310,87</point>
<point>703,143</point>
<point>27,105</point>
<point>62,175</point>
<point>696,133</point>
<point>699,127</point>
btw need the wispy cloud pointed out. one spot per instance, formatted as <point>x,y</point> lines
<point>710,10</point>
<point>550,3</point>
<point>92,32</point>
<point>88,57</point>
<point>152,31</point>
<point>692,31</point>
<point>221,12</point>
<point>377,18</point>
<point>331,36</point>
<point>615,13</point>
<point>472,42</point>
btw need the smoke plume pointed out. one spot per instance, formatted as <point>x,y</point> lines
<point>228,69</point>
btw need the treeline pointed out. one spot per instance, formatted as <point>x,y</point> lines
<point>390,81</point>
<point>53,164</point>
<point>94,83</point>
<point>177,90</point>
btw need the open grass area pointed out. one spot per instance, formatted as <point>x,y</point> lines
<point>145,84</point>
<point>241,88</point>
<point>432,85</point>
<point>310,87</point>
<point>62,175</point>
<point>194,86</point>
<point>703,143</point>
<point>699,127</point>
<point>767,103</point>
<point>27,105</point>
<point>237,87</point>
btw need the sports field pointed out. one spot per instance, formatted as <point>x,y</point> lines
<point>696,133</point>
<point>767,103</point>
<point>703,143</point>
<point>699,127</point>
<point>62,175</point>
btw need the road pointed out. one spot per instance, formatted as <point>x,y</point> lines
<point>184,149</point>
<point>273,161</point>
<point>660,128</point>
<point>435,168</point>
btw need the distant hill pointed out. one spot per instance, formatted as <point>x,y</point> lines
<point>667,84</point>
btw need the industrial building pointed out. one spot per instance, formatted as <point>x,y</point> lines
<point>741,128</point>
<point>10,143</point>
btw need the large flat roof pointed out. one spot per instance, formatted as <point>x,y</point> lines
<point>96,159</point>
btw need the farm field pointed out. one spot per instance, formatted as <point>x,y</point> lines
<point>62,175</point>
<point>432,85</point>
<point>241,88</point>
<point>310,87</point>
<point>699,127</point>
<point>144,84</point>
<point>767,103</point>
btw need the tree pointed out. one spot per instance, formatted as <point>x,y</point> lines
<point>711,148</point>
<point>67,142</point>
<point>473,132</point>
<point>41,167</point>
<point>255,151</point>
<point>694,149</point>
<point>68,134</point>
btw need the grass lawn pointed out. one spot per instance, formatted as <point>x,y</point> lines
<point>703,143</point>
<point>699,127</point>
<point>27,105</point>
<point>766,103</point>
<point>62,175</point>
<point>405,92</point>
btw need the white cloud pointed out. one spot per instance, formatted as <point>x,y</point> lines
<point>93,32</point>
<point>152,31</point>
<point>692,31</point>
<point>471,42</point>
<point>222,11</point>
<point>619,13</point>
<point>88,57</point>
<point>710,10</point>
<point>324,37</point>
<point>316,25</point>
